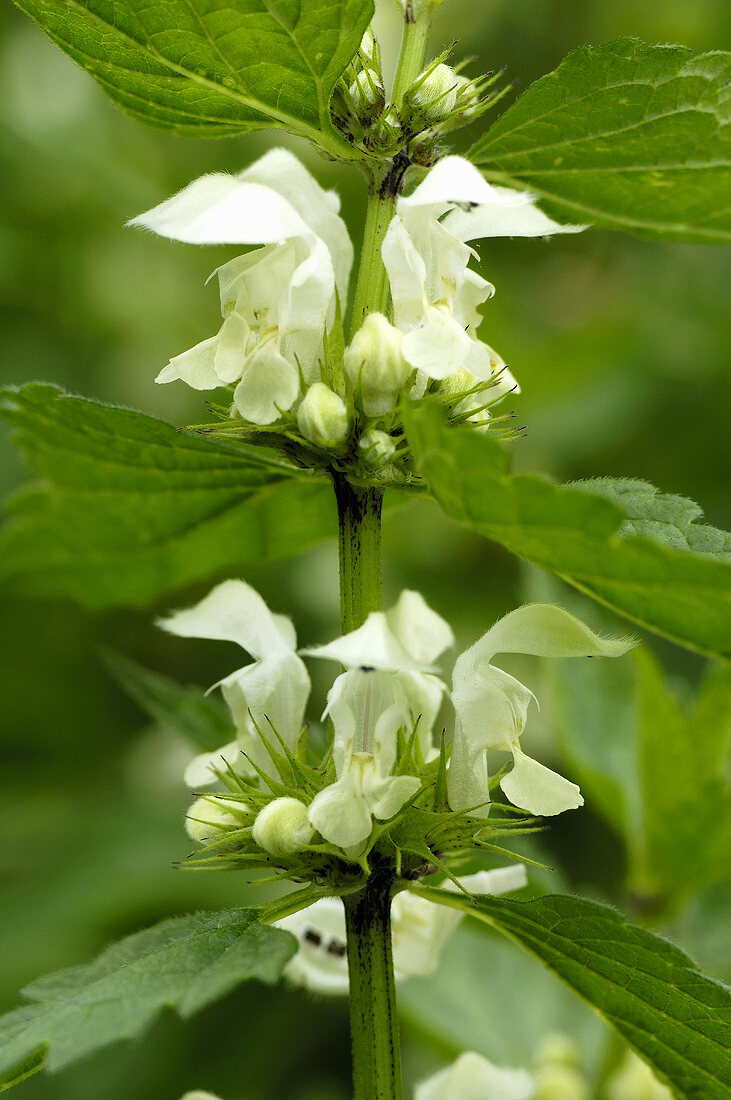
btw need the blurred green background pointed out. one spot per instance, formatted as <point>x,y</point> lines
<point>620,346</point>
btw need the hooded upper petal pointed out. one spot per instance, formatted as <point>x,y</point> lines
<point>419,629</point>
<point>221,209</point>
<point>235,612</point>
<point>477,208</point>
<point>373,645</point>
<point>318,208</point>
<point>544,630</point>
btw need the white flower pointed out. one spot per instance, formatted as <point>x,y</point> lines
<point>273,689</point>
<point>420,929</point>
<point>199,1094</point>
<point>388,686</point>
<point>472,1077</point>
<point>435,295</point>
<point>491,709</point>
<point>276,301</point>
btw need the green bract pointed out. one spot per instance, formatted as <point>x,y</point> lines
<point>214,68</point>
<point>625,136</point>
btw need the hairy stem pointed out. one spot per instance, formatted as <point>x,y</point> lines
<point>374,1023</point>
<point>359,512</point>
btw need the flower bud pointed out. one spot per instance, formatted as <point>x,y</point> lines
<point>376,448</point>
<point>467,96</point>
<point>208,818</point>
<point>434,97</point>
<point>376,366</point>
<point>323,417</point>
<point>367,94</point>
<point>282,826</point>
<point>557,1082</point>
<point>367,45</point>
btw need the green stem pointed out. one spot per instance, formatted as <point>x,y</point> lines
<point>413,52</point>
<point>373,1019</point>
<point>371,291</point>
<point>359,512</point>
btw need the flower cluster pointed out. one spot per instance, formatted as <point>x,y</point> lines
<point>279,349</point>
<point>383,789</point>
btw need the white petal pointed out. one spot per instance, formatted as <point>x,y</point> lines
<point>421,631</point>
<point>490,704</point>
<point>544,630</point>
<point>452,180</point>
<point>537,789</point>
<point>467,777</point>
<point>199,774</point>
<point>340,814</point>
<point>420,930</point>
<point>507,213</point>
<point>372,645</point>
<point>501,880</point>
<point>234,612</point>
<point>472,1077</point>
<point>219,209</point>
<point>406,275</point>
<point>199,1094</point>
<point>197,367</point>
<point>282,171</point>
<point>269,386</point>
<point>388,796</point>
<point>420,698</point>
<point>439,347</point>
<point>320,965</point>
<point>231,351</point>
<point>276,691</point>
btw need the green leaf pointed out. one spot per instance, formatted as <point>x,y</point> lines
<point>129,508</point>
<point>204,719</point>
<point>185,963</point>
<point>648,562</point>
<point>647,989</point>
<point>625,136</point>
<point>655,772</point>
<point>211,68</point>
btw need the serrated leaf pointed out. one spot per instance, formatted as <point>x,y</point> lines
<point>185,963</point>
<point>187,709</point>
<point>647,989</point>
<point>626,136</point>
<point>129,508</point>
<point>211,68</point>
<point>662,582</point>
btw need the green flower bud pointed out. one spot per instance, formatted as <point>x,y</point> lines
<point>283,826</point>
<point>323,417</point>
<point>208,818</point>
<point>376,366</point>
<point>367,94</point>
<point>433,98</point>
<point>376,448</point>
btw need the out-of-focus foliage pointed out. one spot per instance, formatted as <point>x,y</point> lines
<point>620,346</point>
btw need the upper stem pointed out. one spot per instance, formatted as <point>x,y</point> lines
<point>412,54</point>
<point>361,591</point>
